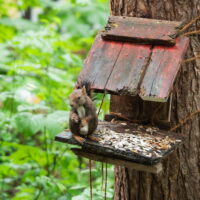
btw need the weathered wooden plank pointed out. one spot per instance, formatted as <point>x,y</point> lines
<point>129,69</point>
<point>167,72</point>
<point>162,70</point>
<point>100,62</point>
<point>144,145</point>
<point>152,69</point>
<point>157,168</point>
<point>142,30</point>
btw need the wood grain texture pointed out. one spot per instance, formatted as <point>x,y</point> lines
<point>100,62</point>
<point>141,30</point>
<point>129,69</point>
<point>162,70</point>
<point>125,68</point>
<point>157,168</point>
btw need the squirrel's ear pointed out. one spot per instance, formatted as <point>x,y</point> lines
<point>84,90</point>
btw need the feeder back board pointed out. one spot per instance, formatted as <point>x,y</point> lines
<point>125,68</point>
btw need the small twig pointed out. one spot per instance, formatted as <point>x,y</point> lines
<point>90,169</point>
<point>192,33</point>
<point>106,182</point>
<point>101,103</point>
<point>119,115</point>
<point>189,24</point>
<point>181,122</point>
<point>191,59</point>
<point>170,107</point>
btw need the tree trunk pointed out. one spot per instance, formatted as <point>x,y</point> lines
<point>180,179</point>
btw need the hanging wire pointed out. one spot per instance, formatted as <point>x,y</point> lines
<point>102,101</point>
<point>102,174</point>
<point>90,169</point>
<point>105,191</point>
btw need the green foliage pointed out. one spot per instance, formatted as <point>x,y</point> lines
<point>40,61</point>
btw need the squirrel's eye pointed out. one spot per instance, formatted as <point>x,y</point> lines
<point>79,98</point>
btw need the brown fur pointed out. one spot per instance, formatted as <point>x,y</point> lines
<point>78,99</point>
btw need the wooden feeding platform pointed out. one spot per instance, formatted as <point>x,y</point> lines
<point>127,144</point>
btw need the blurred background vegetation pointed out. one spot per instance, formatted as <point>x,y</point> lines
<point>42,45</point>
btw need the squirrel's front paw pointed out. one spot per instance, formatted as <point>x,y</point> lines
<point>79,139</point>
<point>83,122</point>
<point>74,117</point>
<point>93,138</point>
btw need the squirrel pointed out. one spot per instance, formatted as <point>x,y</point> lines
<point>83,119</point>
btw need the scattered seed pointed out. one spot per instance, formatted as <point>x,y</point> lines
<point>139,142</point>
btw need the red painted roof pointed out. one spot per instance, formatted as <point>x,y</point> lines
<point>133,69</point>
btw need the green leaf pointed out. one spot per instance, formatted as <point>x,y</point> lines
<point>28,123</point>
<point>19,24</point>
<point>56,122</point>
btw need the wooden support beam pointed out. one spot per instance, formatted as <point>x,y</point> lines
<point>141,30</point>
<point>157,168</point>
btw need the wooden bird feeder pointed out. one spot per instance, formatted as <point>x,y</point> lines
<point>133,57</point>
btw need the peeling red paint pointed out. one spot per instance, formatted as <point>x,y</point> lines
<point>131,69</point>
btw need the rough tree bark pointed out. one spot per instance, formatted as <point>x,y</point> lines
<point>181,176</point>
